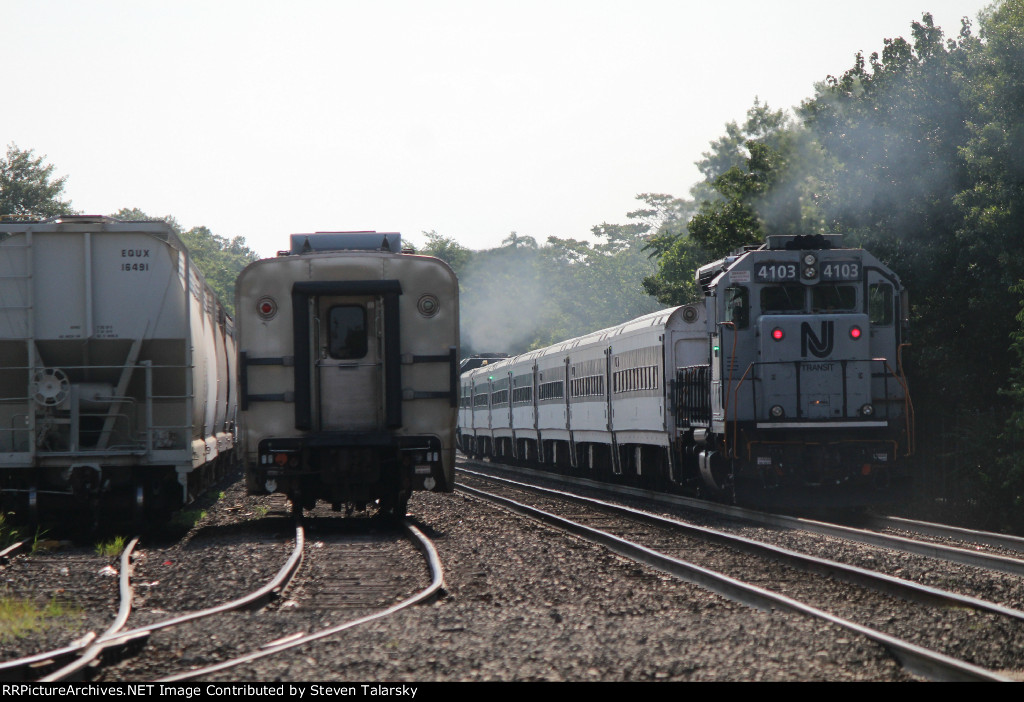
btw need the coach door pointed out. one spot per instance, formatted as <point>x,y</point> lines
<point>348,380</point>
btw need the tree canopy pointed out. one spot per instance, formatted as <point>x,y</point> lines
<point>27,186</point>
<point>916,153</point>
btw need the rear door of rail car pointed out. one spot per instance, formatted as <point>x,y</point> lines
<point>348,374</point>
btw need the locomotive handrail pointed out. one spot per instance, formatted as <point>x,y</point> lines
<point>735,404</point>
<point>908,408</point>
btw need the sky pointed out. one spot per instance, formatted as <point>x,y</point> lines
<point>472,119</point>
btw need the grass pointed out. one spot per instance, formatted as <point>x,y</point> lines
<point>8,533</point>
<point>261,511</point>
<point>111,548</point>
<point>20,617</point>
<point>188,518</point>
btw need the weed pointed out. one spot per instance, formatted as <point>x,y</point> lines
<point>188,518</point>
<point>111,548</point>
<point>8,533</point>
<point>19,617</point>
<point>261,511</point>
<point>37,541</point>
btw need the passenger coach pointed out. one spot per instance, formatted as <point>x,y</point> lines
<point>348,371</point>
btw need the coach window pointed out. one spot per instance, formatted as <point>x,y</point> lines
<point>880,307</point>
<point>348,332</point>
<point>833,298</point>
<point>737,306</point>
<point>782,298</point>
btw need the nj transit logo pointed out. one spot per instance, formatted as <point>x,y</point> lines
<point>820,346</point>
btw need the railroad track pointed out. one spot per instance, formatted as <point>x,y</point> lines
<point>1000,544</point>
<point>85,657</point>
<point>983,550</point>
<point>345,595</point>
<point>917,634</point>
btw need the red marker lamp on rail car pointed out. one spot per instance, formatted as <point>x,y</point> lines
<point>777,334</point>
<point>266,308</point>
<point>855,332</point>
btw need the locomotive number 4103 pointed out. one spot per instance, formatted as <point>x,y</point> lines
<point>772,272</point>
<point>840,270</point>
<point>775,272</point>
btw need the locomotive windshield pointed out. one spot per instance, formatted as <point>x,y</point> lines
<point>824,297</point>
<point>833,298</point>
<point>782,298</point>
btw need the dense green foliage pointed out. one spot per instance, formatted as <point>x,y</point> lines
<point>918,155</point>
<point>27,187</point>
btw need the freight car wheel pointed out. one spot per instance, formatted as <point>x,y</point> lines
<point>395,505</point>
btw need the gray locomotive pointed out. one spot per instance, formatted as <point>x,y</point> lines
<point>348,363</point>
<point>783,386</point>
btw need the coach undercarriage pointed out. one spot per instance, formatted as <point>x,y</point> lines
<point>348,470</point>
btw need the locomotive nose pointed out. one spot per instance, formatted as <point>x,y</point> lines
<point>814,367</point>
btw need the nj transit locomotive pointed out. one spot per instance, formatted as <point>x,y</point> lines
<point>784,384</point>
<point>117,360</point>
<point>348,371</point>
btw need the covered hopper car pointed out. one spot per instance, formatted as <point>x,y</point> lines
<point>116,367</point>
<point>348,372</point>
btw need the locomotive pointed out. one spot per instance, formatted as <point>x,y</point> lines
<point>348,372</point>
<point>117,361</point>
<point>784,386</point>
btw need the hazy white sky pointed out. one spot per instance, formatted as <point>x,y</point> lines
<point>474,119</point>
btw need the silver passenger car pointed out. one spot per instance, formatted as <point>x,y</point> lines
<point>348,371</point>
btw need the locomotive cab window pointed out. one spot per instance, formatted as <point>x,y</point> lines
<point>833,298</point>
<point>347,332</point>
<point>737,306</point>
<point>880,307</point>
<point>782,298</point>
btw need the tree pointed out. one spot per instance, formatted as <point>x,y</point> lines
<point>27,188</point>
<point>447,249</point>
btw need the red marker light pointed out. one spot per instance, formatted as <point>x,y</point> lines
<point>266,307</point>
<point>777,334</point>
<point>854,332</point>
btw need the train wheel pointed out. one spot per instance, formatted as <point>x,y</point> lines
<point>395,505</point>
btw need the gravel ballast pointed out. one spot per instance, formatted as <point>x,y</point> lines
<point>522,603</point>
